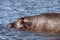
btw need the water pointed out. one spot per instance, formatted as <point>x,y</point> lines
<point>10,10</point>
<point>13,34</point>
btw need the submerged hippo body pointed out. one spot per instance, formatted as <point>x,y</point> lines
<point>49,22</point>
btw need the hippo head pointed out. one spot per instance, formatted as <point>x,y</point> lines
<point>17,24</point>
<point>20,23</point>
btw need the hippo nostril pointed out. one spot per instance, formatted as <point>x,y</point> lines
<point>10,25</point>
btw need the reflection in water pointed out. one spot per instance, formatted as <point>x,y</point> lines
<point>13,34</point>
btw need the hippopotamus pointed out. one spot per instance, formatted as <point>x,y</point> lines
<point>44,22</point>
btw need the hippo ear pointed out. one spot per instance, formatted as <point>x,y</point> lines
<point>22,19</point>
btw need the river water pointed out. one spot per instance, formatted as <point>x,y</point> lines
<point>10,10</point>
